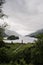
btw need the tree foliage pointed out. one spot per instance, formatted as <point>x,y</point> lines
<point>12,37</point>
<point>1,6</point>
<point>37,51</point>
<point>4,55</point>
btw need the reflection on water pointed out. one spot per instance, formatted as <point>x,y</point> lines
<point>25,40</point>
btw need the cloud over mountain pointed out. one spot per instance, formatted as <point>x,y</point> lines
<point>25,16</point>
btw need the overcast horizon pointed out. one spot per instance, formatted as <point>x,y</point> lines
<point>24,16</point>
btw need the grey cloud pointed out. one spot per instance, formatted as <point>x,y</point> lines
<point>28,14</point>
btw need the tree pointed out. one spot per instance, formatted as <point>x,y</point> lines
<point>3,26</point>
<point>1,11</point>
<point>4,55</point>
<point>2,30</point>
<point>1,4</point>
<point>12,37</point>
<point>37,51</point>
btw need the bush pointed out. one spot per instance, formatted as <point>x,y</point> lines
<point>22,57</point>
<point>37,53</point>
<point>12,37</point>
<point>4,56</point>
<point>2,44</point>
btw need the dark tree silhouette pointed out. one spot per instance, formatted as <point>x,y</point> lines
<point>12,37</point>
<point>1,5</point>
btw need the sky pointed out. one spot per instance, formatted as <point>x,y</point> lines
<point>24,16</point>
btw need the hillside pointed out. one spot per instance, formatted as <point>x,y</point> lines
<point>35,33</point>
<point>9,33</point>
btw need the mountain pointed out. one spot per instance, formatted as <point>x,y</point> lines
<point>35,33</point>
<point>5,35</point>
<point>9,33</point>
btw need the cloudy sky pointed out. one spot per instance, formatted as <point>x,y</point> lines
<point>24,16</point>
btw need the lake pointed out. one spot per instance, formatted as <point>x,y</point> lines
<point>22,39</point>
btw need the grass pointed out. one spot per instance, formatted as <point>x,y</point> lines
<point>11,64</point>
<point>5,64</point>
<point>24,46</point>
<point>12,47</point>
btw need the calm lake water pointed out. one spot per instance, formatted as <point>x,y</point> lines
<point>25,40</point>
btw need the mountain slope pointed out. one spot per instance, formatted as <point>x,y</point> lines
<point>5,35</point>
<point>9,33</point>
<point>36,33</point>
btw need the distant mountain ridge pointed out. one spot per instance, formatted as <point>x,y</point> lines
<point>9,33</point>
<point>5,35</point>
<point>36,33</point>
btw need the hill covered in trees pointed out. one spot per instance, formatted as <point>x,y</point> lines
<point>12,37</point>
<point>38,32</point>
